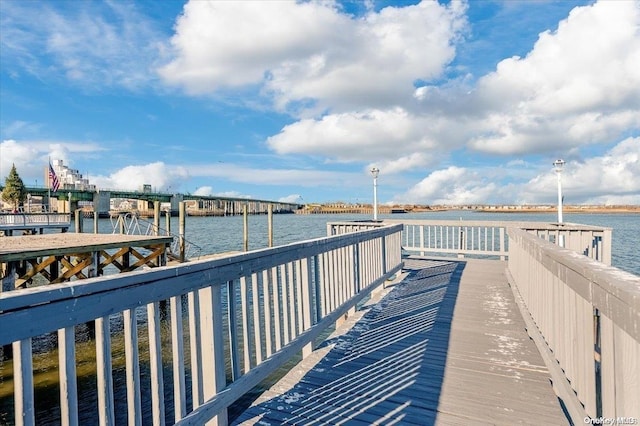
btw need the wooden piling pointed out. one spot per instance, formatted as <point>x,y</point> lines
<point>156,218</point>
<point>270,223</point>
<point>245,234</point>
<point>79,221</point>
<point>181,228</point>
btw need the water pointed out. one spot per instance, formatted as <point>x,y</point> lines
<point>223,234</point>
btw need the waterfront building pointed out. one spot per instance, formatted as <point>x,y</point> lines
<point>69,178</point>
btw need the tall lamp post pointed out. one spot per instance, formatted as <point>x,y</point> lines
<point>374,172</point>
<point>558,165</point>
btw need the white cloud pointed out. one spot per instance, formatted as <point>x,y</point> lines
<point>357,136</point>
<point>203,190</point>
<point>416,160</point>
<point>293,198</point>
<point>285,177</point>
<point>161,176</point>
<point>613,178</point>
<point>312,51</point>
<point>450,186</point>
<point>232,194</point>
<point>11,152</point>
<point>566,93</point>
<point>579,85</point>
<point>91,44</point>
<point>31,157</point>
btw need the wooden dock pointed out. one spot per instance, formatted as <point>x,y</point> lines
<point>446,346</point>
<point>66,256</point>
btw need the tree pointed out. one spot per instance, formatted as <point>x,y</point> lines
<point>14,191</point>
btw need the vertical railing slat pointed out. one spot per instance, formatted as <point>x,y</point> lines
<point>266,299</point>
<point>195,339</point>
<point>155,361</point>
<point>23,383</point>
<point>68,383</point>
<point>246,341</point>
<point>257,323</point>
<point>284,287</point>
<point>300,300</point>
<point>132,363</point>
<point>232,326</point>
<point>275,285</point>
<point>292,301</point>
<point>213,363</point>
<point>306,284</point>
<point>177,344</point>
<point>103,367</point>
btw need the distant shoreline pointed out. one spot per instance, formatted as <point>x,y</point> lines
<point>585,210</point>
<point>386,209</point>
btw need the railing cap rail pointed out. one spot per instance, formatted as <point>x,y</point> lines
<point>551,226</point>
<point>613,291</point>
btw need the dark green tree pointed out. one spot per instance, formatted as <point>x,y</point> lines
<point>14,191</point>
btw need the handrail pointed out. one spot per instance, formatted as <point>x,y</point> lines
<point>274,301</point>
<point>27,220</point>
<point>589,316</point>
<point>129,224</point>
<point>489,239</point>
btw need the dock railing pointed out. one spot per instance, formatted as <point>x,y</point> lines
<point>489,238</point>
<point>12,221</point>
<point>588,314</point>
<point>233,322</point>
<point>584,313</point>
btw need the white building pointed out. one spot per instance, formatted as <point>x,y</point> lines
<point>69,178</point>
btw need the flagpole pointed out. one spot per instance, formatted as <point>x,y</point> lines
<point>49,185</point>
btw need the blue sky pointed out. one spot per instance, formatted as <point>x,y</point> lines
<point>455,102</point>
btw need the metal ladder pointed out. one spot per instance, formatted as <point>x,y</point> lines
<point>131,224</point>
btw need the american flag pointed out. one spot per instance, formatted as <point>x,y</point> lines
<point>54,183</point>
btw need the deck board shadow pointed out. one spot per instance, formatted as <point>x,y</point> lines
<point>416,357</point>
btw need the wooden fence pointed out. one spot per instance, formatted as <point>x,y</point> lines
<point>233,321</point>
<point>589,316</point>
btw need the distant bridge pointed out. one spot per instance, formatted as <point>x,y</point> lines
<point>205,203</point>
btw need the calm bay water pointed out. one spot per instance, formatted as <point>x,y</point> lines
<point>221,234</point>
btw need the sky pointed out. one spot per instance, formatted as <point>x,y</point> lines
<point>455,102</point>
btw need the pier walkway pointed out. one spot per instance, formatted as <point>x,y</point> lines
<point>447,345</point>
<point>546,333</point>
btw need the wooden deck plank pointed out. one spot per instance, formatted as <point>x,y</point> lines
<point>32,246</point>
<point>446,346</point>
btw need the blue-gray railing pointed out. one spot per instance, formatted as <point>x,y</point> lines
<point>11,221</point>
<point>245,315</point>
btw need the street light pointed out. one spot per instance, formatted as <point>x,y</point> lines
<point>558,165</point>
<point>374,172</point>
